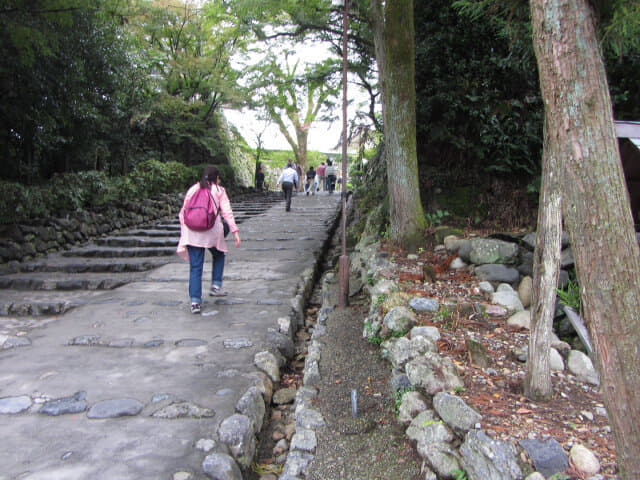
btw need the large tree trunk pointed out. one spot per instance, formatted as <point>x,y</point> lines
<point>407,219</point>
<point>595,207</point>
<point>546,269</point>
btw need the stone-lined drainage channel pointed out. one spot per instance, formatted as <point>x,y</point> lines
<point>286,442</point>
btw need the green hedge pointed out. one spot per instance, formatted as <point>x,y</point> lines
<point>74,191</point>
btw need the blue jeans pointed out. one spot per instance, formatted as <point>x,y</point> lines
<point>196,264</point>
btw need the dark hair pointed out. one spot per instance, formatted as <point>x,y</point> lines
<point>329,162</point>
<point>209,176</point>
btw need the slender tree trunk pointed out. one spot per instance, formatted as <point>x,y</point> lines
<point>377,25</point>
<point>595,207</point>
<point>405,210</point>
<point>546,269</point>
<point>302,136</point>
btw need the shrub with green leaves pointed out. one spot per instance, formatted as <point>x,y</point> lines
<point>75,191</point>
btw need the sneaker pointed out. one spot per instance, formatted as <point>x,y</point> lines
<point>195,308</point>
<point>217,291</point>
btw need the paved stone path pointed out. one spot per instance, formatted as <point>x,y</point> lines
<point>129,384</point>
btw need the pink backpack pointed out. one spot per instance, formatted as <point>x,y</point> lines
<point>200,211</point>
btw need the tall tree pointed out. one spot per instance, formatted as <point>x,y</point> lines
<point>294,100</point>
<point>63,69</point>
<point>188,55</point>
<point>579,121</point>
<point>407,220</point>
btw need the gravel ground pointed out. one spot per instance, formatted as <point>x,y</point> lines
<point>372,446</point>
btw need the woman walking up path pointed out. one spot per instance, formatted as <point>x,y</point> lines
<point>193,243</point>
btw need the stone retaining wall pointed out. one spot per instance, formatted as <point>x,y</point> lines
<point>23,242</point>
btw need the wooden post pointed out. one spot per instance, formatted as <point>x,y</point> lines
<point>343,274</point>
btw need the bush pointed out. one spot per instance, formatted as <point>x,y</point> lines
<point>75,191</point>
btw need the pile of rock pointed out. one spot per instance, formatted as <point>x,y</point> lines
<point>27,241</point>
<point>504,261</point>
<point>447,432</point>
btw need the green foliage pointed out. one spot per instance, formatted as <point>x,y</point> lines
<point>74,191</point>
<point>102,84</point>
<point>292,97</point>
<point>559,476</point>
<point>68,80</point>
<point>436,218</point>
<point>397,398</point>
<point>372,332</point>
<point>570,295</point>
<point>477,108</point>
<point>459,474</point>
<point>447,317</point>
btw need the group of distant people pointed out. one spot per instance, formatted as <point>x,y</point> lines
<point>324,178</point>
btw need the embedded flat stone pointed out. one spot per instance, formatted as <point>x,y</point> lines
<point>60,406</point>
<point>183,410</point>
<point>11,405</point>
<point>190,342</point>
<point>14,342</point>
<point>167,303</point>
<point>133,303</point>
<point>238,342</point>
<point>106,301</point>
<point>269,301</point>
<point>119,407</point>
<point>122,343</point>
<point>85,340</point>
<point>229,301</point>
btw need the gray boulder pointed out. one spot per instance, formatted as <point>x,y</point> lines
<point>496,273</point>
<point>252,405</point>
<point>219,466</point>
<point>483,458</point>
<point>548,456</point>
<point>455,412</point>
<point>236,432</point>
<point>400,320</point>
<point>433,373</point>
<point>488,250</point>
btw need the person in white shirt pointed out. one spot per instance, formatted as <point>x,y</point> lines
<point>289,180</point>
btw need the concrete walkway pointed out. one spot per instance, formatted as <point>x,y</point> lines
<point>135,386</point>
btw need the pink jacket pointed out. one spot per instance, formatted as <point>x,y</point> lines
<point>208,238</point>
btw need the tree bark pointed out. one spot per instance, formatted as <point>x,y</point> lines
<point>377,25</point>
<point>595,207</point>
<point>546,269</point>
<point>407,220</point>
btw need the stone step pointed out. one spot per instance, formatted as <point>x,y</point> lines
<point>39,303</point>
<point>151,232</point>
<point>107,252</point>
<point>64,281</point>
<point>135,241</point>
<point>96,265</point>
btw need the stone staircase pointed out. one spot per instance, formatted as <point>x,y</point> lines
<point>59,281</point>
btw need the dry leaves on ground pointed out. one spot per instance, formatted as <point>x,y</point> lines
<point>575,413</point>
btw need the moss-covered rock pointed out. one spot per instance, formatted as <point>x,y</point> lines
<point>444,231</point>
<point>395,299</point>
